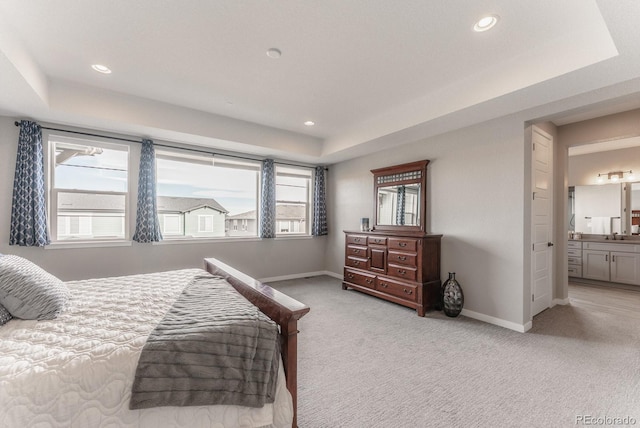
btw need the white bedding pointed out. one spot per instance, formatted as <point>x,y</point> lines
<point>77,370</point>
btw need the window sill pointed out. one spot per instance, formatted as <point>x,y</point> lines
<point>172,241</point>
<point>62,245</point>
<point>292,237</point>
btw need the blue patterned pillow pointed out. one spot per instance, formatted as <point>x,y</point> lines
<point>29,292</point>
<point>5,316</point>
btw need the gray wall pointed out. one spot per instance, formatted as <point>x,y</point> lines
<point>260,259</point>
<point>475,199</point>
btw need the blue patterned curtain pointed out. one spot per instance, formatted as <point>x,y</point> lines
<point>268,206</point>
<point>28,208</point>
<point>401,205</point>
<point>147,223</point>
<point>319,225</point>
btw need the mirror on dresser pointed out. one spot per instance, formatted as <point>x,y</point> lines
<point>400,197</point>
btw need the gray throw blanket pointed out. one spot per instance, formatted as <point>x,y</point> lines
<point>212,347</point>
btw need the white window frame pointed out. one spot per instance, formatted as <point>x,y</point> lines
<point>208,218</point>
<point>52,204</point>
<point>297,172</point>
<point>180,218</point>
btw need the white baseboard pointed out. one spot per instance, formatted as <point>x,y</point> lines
<point>300,275</point>
<point>560,302</point>
<point>521,328</point>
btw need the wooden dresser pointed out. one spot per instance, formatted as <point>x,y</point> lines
<point>400,267</point>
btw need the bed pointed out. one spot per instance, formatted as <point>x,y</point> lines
<point>77,370</point>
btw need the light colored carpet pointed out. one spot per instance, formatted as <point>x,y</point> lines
<point>364,362</point>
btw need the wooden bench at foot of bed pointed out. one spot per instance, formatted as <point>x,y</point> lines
<point>282,309</point>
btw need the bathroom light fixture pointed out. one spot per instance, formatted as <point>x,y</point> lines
<point>485,23</point>
<point>614,176</point>
<point>101,68</point>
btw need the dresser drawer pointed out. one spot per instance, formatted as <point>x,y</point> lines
<point>377,240</point>
<point>354,250</point>
<point>575,260</point>
<point>404,291</point>
<point>404,244</point>
<point>357,262</point>
<point>401,258</point>
<point>357,239</point>
<point>575,252</point>
<point>404,272</point>
<point>575,271</point>
<point>364,279</point>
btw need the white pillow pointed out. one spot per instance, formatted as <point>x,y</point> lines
<point>28,291</point>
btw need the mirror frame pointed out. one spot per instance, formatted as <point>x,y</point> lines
<point>384,177</point>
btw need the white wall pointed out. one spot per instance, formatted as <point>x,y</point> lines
<point>260,259</point>
<point>475,199</point>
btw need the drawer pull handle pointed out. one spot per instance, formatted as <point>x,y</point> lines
<point>350,275</point>
<point>369,281</point>
<point>356,262</point>
<point>403,258</point>
<point>402,244</point>
<point>357,239</point>
<point>402,271</point>
<point>356,251</point>
<point>409,292</point>
<point>383,285</point>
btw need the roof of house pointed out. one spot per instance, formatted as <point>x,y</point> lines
<point>183,205</point>
<point>283,211</point>
<point>96,202</point>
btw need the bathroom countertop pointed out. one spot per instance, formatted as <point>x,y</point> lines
<point>608,241</point>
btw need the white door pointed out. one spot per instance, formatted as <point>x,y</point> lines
<point>541,220</point>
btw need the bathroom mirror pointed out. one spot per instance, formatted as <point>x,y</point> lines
<point>400,197</point>
<point>605,209</point>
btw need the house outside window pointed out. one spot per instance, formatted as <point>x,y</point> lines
<point>293,200</point>
<point>206,192</point>
<point>89,188</point>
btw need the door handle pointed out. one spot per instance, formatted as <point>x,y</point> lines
<point>549,244</point>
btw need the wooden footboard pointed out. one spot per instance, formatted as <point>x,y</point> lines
<point>279,307</point>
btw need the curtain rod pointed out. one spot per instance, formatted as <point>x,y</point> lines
<point>167,146</point>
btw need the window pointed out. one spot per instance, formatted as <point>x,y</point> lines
<point>89,189</point>
<point>170,224</point>
<point>293,200</point>
<point>211,193</point>
<point>205,223</point>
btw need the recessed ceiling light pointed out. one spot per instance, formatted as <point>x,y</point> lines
<point>101,68</point>
<point>486,22</point>
<point>309,123</point>
<point>274,53</point>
